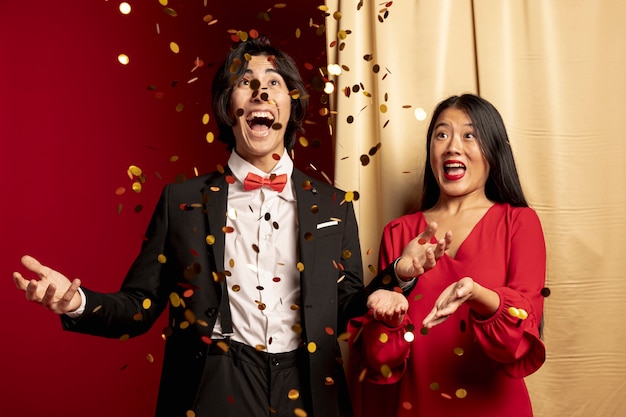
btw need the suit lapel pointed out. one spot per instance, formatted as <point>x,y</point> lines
<point>216,198</point>
<point>307,202</point>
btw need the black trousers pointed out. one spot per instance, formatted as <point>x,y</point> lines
<point>244,382</point>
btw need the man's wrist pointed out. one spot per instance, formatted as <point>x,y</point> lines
<point>398,276</point>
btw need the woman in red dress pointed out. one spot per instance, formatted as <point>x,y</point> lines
<point>468,331</point>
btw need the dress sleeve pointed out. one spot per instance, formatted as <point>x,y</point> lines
<point>378,353</point>
<point>389,249</point>
<point>511,336</point>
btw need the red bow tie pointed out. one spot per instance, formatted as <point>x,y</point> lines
<point>276,182</point>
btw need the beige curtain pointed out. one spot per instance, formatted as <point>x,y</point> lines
<point>556,70</point>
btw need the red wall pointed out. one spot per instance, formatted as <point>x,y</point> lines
<point>72,120</point>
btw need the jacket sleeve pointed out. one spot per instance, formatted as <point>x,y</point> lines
<point>143,296</point>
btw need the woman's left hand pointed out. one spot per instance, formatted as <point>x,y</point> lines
<point>449,301</point>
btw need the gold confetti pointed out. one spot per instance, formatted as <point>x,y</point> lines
<point>170,11</point>
<point>385,370</point>
<point>150,358</point>
<point>514,311</point>
<point>161,258</point>
<point>298,412</point>
<point>458,351</point>
<point>190,316</point>
<point>124,337</point>
<point>300,266</point>
<point>124,8</point>
<point>174,47</point>
<point>383,338</point>
<point>174,299</point>
<point>146,304</point>
<point>311,347</point>
<point>362,375</point>
<point>123,59</point>
<point>461,393</point>
<point>223,345</point>
<point>210,239</point>
<point>293,394</point>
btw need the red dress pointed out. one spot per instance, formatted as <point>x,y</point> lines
<point>465,366</point>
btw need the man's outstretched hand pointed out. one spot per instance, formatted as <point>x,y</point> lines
<point>53,290</point>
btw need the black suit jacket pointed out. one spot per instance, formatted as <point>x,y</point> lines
<point>187,230</point>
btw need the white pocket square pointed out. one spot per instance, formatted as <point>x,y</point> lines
<point>327,224</point>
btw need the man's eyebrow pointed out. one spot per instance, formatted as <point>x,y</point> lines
<point>267,70</point>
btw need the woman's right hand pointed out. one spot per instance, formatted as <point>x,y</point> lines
<point>420,255</point>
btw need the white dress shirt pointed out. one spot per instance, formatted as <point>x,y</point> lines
<point>261,255</point>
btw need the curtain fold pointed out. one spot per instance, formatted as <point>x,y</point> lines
<point>555,70</point>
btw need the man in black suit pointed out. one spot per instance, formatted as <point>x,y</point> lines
<point>260,266</point>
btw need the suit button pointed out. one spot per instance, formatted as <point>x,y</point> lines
<point>275,362</point>
<point>211,312</point>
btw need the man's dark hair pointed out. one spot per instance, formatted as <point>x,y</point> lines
<point>231,71</point>
<point>503,185</point>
